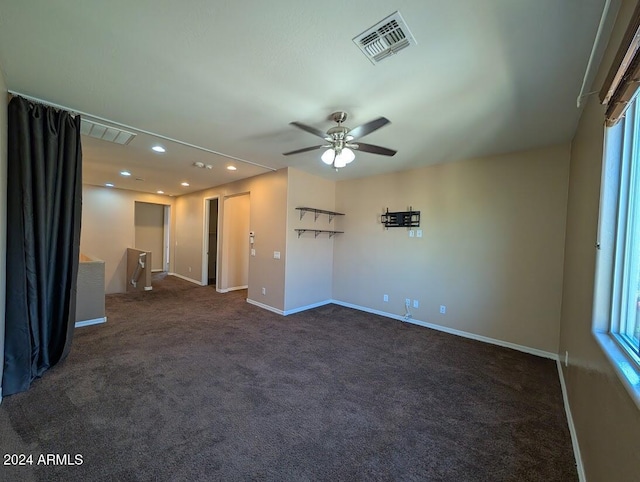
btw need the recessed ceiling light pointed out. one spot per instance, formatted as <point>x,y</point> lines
<point>109,184</point>
<point>159,149</point>
<point>160,192</point>
<point>125,173</point>
<point>185,184</point>
<point>232,168</point>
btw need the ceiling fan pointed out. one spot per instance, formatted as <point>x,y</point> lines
<point>341,139</point>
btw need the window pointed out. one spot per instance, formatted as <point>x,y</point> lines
<point>625,322</point>
<point>616,308</point>
<point>617,289</point>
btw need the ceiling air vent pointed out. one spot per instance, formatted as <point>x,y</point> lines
<point>106,133</point>
<point>385,38</point>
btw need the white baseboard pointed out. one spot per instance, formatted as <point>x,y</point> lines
<point>433,326</point>
<point>288,312</point>
<point>266,307</point>
<point>572,428</point>
<point>190,280</point>
<point>452,331</point>
<point>305,308</point>
<point>95,321</point>
<point>234,288</point>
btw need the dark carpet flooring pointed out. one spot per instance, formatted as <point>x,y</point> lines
<point>183,383</point>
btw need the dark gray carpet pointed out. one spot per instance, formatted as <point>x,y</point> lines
<point>183,383</point>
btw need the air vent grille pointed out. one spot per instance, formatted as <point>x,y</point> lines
<point>104,132</point>
<point>387,37</point>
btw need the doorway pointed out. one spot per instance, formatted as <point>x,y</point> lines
<point>152,233</point>
<point>210,268</point>
<point>234,269</point>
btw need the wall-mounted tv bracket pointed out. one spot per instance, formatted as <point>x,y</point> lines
<point>401,219</point>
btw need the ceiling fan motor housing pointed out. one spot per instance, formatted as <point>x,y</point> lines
<point>338,132</point>
<point>339,117</point>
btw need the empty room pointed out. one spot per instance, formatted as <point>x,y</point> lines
<point>339,241</point>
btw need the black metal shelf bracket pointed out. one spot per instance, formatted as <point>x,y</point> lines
<point>401,219</point>
<point>317,213</point>
<point>317,232</point>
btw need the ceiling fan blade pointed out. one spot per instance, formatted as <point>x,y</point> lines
<point>306,149</point>
<point>369,127</point>
<point>309,129</point>
<point>374,149</point>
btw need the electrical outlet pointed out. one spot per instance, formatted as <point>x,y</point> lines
<point>566,358</point>
<point>189,269</point>
<point>443,309</point>
<point>419,233</point>
<point>253,252</point>
<point>276,255</point>
<point>385,298</point>
<point>407,302</point>
<point>411,233</point>
<point>264,290</point>
<point>416,303</point>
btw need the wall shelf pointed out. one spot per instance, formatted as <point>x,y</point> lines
<point>317,213</point>
<point>316,232</point>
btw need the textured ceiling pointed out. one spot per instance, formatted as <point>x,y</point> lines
<point>485,77</point>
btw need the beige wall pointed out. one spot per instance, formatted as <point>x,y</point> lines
<point>268,208</point>
<point>3,217</point>
<point>607,422</point>
<point>108,229</point>
<point>90,302</point>
<point>149,231</point>
<point>235,242</point>
<point>492,250</point>
<point>309,276</point>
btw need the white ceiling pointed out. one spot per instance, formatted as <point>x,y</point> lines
<point>485,77</point>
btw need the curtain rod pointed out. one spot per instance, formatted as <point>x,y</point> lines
<point>142,131</point>
<point>596,42</point>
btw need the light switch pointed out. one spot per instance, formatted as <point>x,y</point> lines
<point>276,255</point>
<point>419,233</point>
<point>411,233</point>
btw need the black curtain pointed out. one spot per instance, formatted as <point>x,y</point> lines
<point>44,202</point>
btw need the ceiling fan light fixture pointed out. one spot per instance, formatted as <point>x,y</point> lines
<point>346,155</point>
<point>328,156</point>
<point>339,162</point>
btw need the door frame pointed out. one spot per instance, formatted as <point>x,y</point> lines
<point>166,232</point>
<point>205,241</point>
<point>166,262</point>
